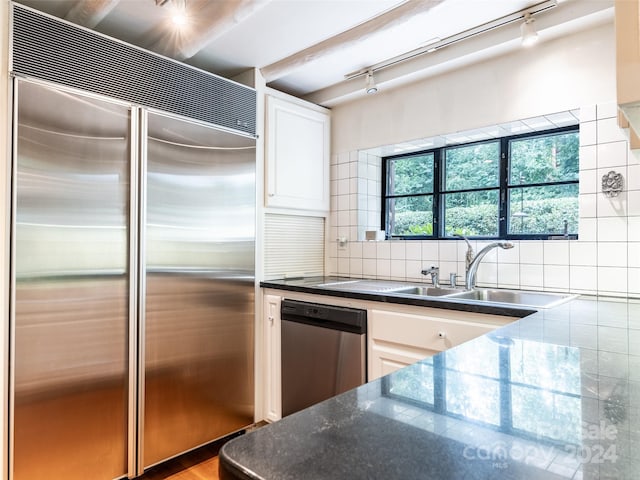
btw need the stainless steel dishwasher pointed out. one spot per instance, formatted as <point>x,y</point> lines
<point>323,352</point>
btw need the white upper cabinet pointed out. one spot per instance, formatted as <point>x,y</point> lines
<point>628,63</point>
<point>297,151</point>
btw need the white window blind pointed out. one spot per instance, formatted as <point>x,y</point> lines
<point>294,246</point>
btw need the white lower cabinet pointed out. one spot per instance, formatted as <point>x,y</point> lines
<point>398,335</point>
<point>272,380</point>
<point>398,339</point>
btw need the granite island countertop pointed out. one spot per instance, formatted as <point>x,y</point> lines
<point>556,396</point>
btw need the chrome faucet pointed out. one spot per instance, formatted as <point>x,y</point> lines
<point>470,279</point>
<point>435,275</point>
<point>469,255</point>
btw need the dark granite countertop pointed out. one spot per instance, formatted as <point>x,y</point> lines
<point>312,285</point>
<point>554,395</point>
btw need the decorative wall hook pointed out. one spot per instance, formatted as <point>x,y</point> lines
<point>612,184</point>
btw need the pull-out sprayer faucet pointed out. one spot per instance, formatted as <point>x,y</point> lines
<point>470,279</point>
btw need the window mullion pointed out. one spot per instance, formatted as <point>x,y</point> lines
<point>437,179</point>
<point>503,213</point>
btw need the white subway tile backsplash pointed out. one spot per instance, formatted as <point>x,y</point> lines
<point>398,251</point>
<point>632,180</point>
<point>612,206</point>
<point>412,270</point>
<point>369,267</point>
<point>588,157</point>
<point>343,218</point>
<point>588,182</point>
<point>583,278</point>
<point>612,280</point>
<point>587,229</point>
<point>531,276</point>
<point>362,186</point>
<point>487,274</point>
<point>430,250</point>
<point>587,206</point>
<point>612,155</point>
<point>612,229</point>
<point>633,229</point>
<point>448,250</point>
<point>556,252</point>
<point>355,249</point>
<point>332,266</point>
<point>343,170</point>
<point>588,113</point>
<point>583,253</point>
<point>383,267</point>
<point>510,255</point>
<point>633,275</point>
<point>353,185</point>
<point>383,250</point>
<point>633,254</point>
<point>633,199</point>
<point>398,269</point>
<point>353,170</point>
<point>609,131</point>
<point>445,269</point>
<point>588,133</point>
<point>413,250</point>
<point>611,254</point>
<point>556,276</point>
<point>531,252</point>
<point>343,186</point>
<point>509,275</point>
<point>343,266</point>
<point>369,249</point>
<point>343,202</point>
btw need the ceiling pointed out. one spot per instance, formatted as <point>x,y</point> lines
<point>307,47</point>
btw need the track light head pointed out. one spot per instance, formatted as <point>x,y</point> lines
<point>371,83</point>
<point>529,34</point>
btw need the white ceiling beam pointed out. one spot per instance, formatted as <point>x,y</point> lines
<point>90,13</point>
<point>358,34</point>
<point>206,23</point>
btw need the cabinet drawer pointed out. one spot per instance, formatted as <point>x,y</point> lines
<point>421,331</point>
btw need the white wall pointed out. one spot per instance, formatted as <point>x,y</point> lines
<point>552,76</point>
<point>606,258</point>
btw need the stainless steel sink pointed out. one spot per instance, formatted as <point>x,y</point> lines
<point>515,297</point>
<point>426,291</point>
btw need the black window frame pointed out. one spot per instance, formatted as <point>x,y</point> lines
<point>503,188</point>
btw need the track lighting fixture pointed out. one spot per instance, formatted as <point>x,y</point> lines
<point>371,83</point>
<point>529,34</point>
<point>178,11</point>
<point>524,17</point>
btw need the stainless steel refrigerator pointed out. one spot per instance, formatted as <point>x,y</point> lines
<point>132,316</point>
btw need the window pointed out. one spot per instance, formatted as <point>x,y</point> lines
<point>515,187</point>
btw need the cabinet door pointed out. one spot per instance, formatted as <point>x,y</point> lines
<point>385,358</point>
<point>272,390</point>
<point>297,156</point>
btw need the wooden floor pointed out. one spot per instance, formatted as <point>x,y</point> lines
<point>201,464</point>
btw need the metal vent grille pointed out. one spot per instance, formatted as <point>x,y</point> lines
<point>50,49</point>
